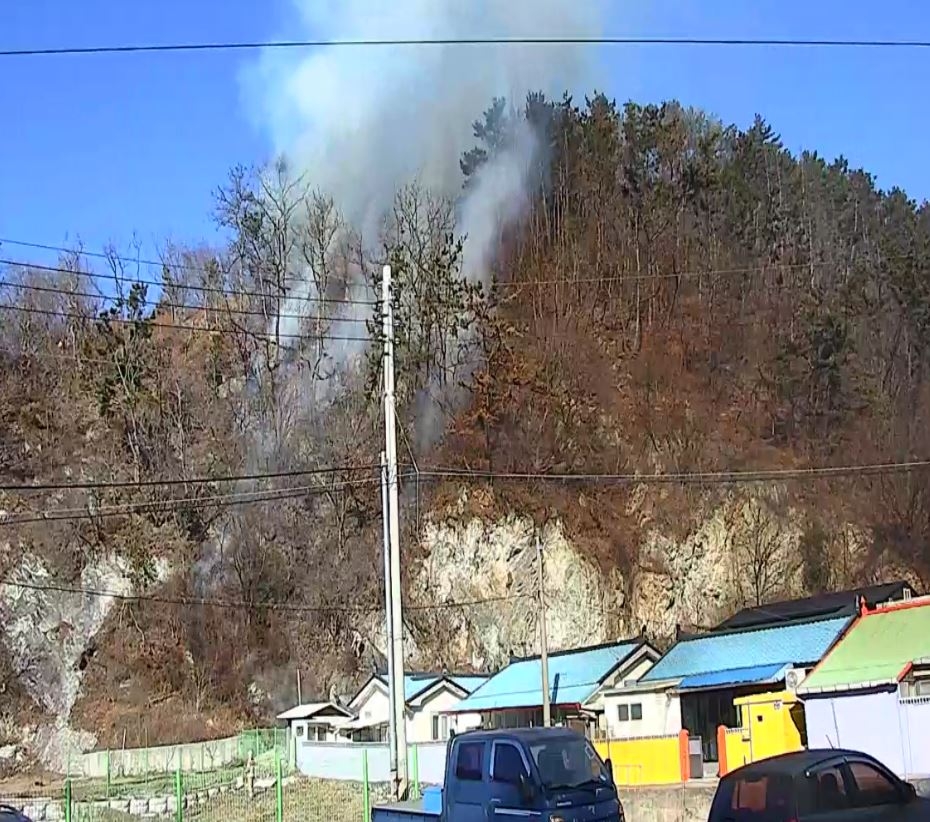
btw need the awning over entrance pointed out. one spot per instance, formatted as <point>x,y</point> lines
<point>753,675</point>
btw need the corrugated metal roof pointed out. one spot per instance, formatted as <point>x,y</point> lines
<point>756,674</point>
<point>833,604</point>
<point>574,676</point>
<point>789,644</point>
<point>415,684</point>
<point>875,651</point>
<point>310,709</point>
<point>469,683</point>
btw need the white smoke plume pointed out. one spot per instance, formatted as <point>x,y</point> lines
<point>362,121</point>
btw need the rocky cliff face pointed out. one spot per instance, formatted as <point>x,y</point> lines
<point>48,633</point>
<point>741,552</point>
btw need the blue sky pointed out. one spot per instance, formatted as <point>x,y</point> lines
<point>110,147</point>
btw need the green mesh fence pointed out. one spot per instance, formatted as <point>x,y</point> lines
<point>267,790</point>
<point>262,741</point>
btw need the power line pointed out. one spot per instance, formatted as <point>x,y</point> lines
<point>464,41</point>
<point>273,605</point>
<point>685,275</point>
<point>101,255</point>
<point>174,504</point>
<point>206,289</point>
<point>181,327</point>
<point>203,480</point>
<point>690,274</point>
<point>749,476</point>
<point>183,306</point>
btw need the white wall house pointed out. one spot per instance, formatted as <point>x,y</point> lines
<point>639,709</point>
<point>429,699</point>
<point>316,721</point>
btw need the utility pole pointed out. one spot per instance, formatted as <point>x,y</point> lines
<point>396,611</point>
<point>543,643</point>
<point>385,506</point>
<point>300,699</point>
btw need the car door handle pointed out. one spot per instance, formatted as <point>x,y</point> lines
<point>495,801</point>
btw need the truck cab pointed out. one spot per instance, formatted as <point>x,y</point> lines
<point>549,774</point>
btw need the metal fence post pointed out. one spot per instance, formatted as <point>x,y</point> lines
<point>278,789</point>
<point>108,773</point>
<point>366,790</point>
<point>178,795</point>
<point>414,772</point>
<point>68,799</point>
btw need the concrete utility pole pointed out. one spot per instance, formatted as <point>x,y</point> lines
<point>395,615</point>
<point>385,507</point>
<point>543,642</point>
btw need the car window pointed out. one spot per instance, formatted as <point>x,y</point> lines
<point>755,798</point>
<point>871,787</point>
<point>568,762</point>
<point>507,765</point>
<point>826,791</point>
<point>469,762</point>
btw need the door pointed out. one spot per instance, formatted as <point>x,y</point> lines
<point>855,791</point>
<point>467,797</point>
<point>508,765</point>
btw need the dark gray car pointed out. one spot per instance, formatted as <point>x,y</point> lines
<point>817,786</point>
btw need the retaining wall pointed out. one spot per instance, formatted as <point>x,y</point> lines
<point>189,757</point>
<point>682,803</point>
<point>346,761</point>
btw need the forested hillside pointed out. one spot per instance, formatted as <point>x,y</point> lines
<point>671,296</point>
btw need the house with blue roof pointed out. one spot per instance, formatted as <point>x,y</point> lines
<point>513,697</point>
<point>696,681</point>
<point>428,698</point>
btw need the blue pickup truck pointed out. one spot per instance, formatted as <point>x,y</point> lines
<point>546,774</point>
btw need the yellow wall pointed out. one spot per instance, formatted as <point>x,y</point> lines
<point>738,750</point>
<point>774,722</point>
<point>653,760</point>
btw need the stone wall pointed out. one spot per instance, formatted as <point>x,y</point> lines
<point>682,803</point>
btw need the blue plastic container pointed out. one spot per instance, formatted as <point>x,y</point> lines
<point>432,800</point>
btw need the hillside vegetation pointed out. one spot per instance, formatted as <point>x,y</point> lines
<point>679,296</point>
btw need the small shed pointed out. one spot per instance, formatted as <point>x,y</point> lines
<point>771,723</point>
<point>315,721</point>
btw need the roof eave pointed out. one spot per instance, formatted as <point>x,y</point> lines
<point>845,688</point>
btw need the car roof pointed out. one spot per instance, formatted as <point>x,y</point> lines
<point>528,736</point>
<point>794,763</point>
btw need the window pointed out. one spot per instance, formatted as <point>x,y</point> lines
<point>623,713</point>
<point>299,730</point>
<point>568,763</point>
<point>636,711</point>
<point>755,798</point>
<point>440,727</point>
<point>829,789</point>
<point>872,787</point>
<point>469,763</point>
<point>507,764</point>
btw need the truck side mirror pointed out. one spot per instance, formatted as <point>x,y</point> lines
<point>910,792</point>
<point>610,768</point>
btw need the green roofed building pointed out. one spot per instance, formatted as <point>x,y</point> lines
<point>872,691</point>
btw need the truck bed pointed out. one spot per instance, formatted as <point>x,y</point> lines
<point>403,812</point>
